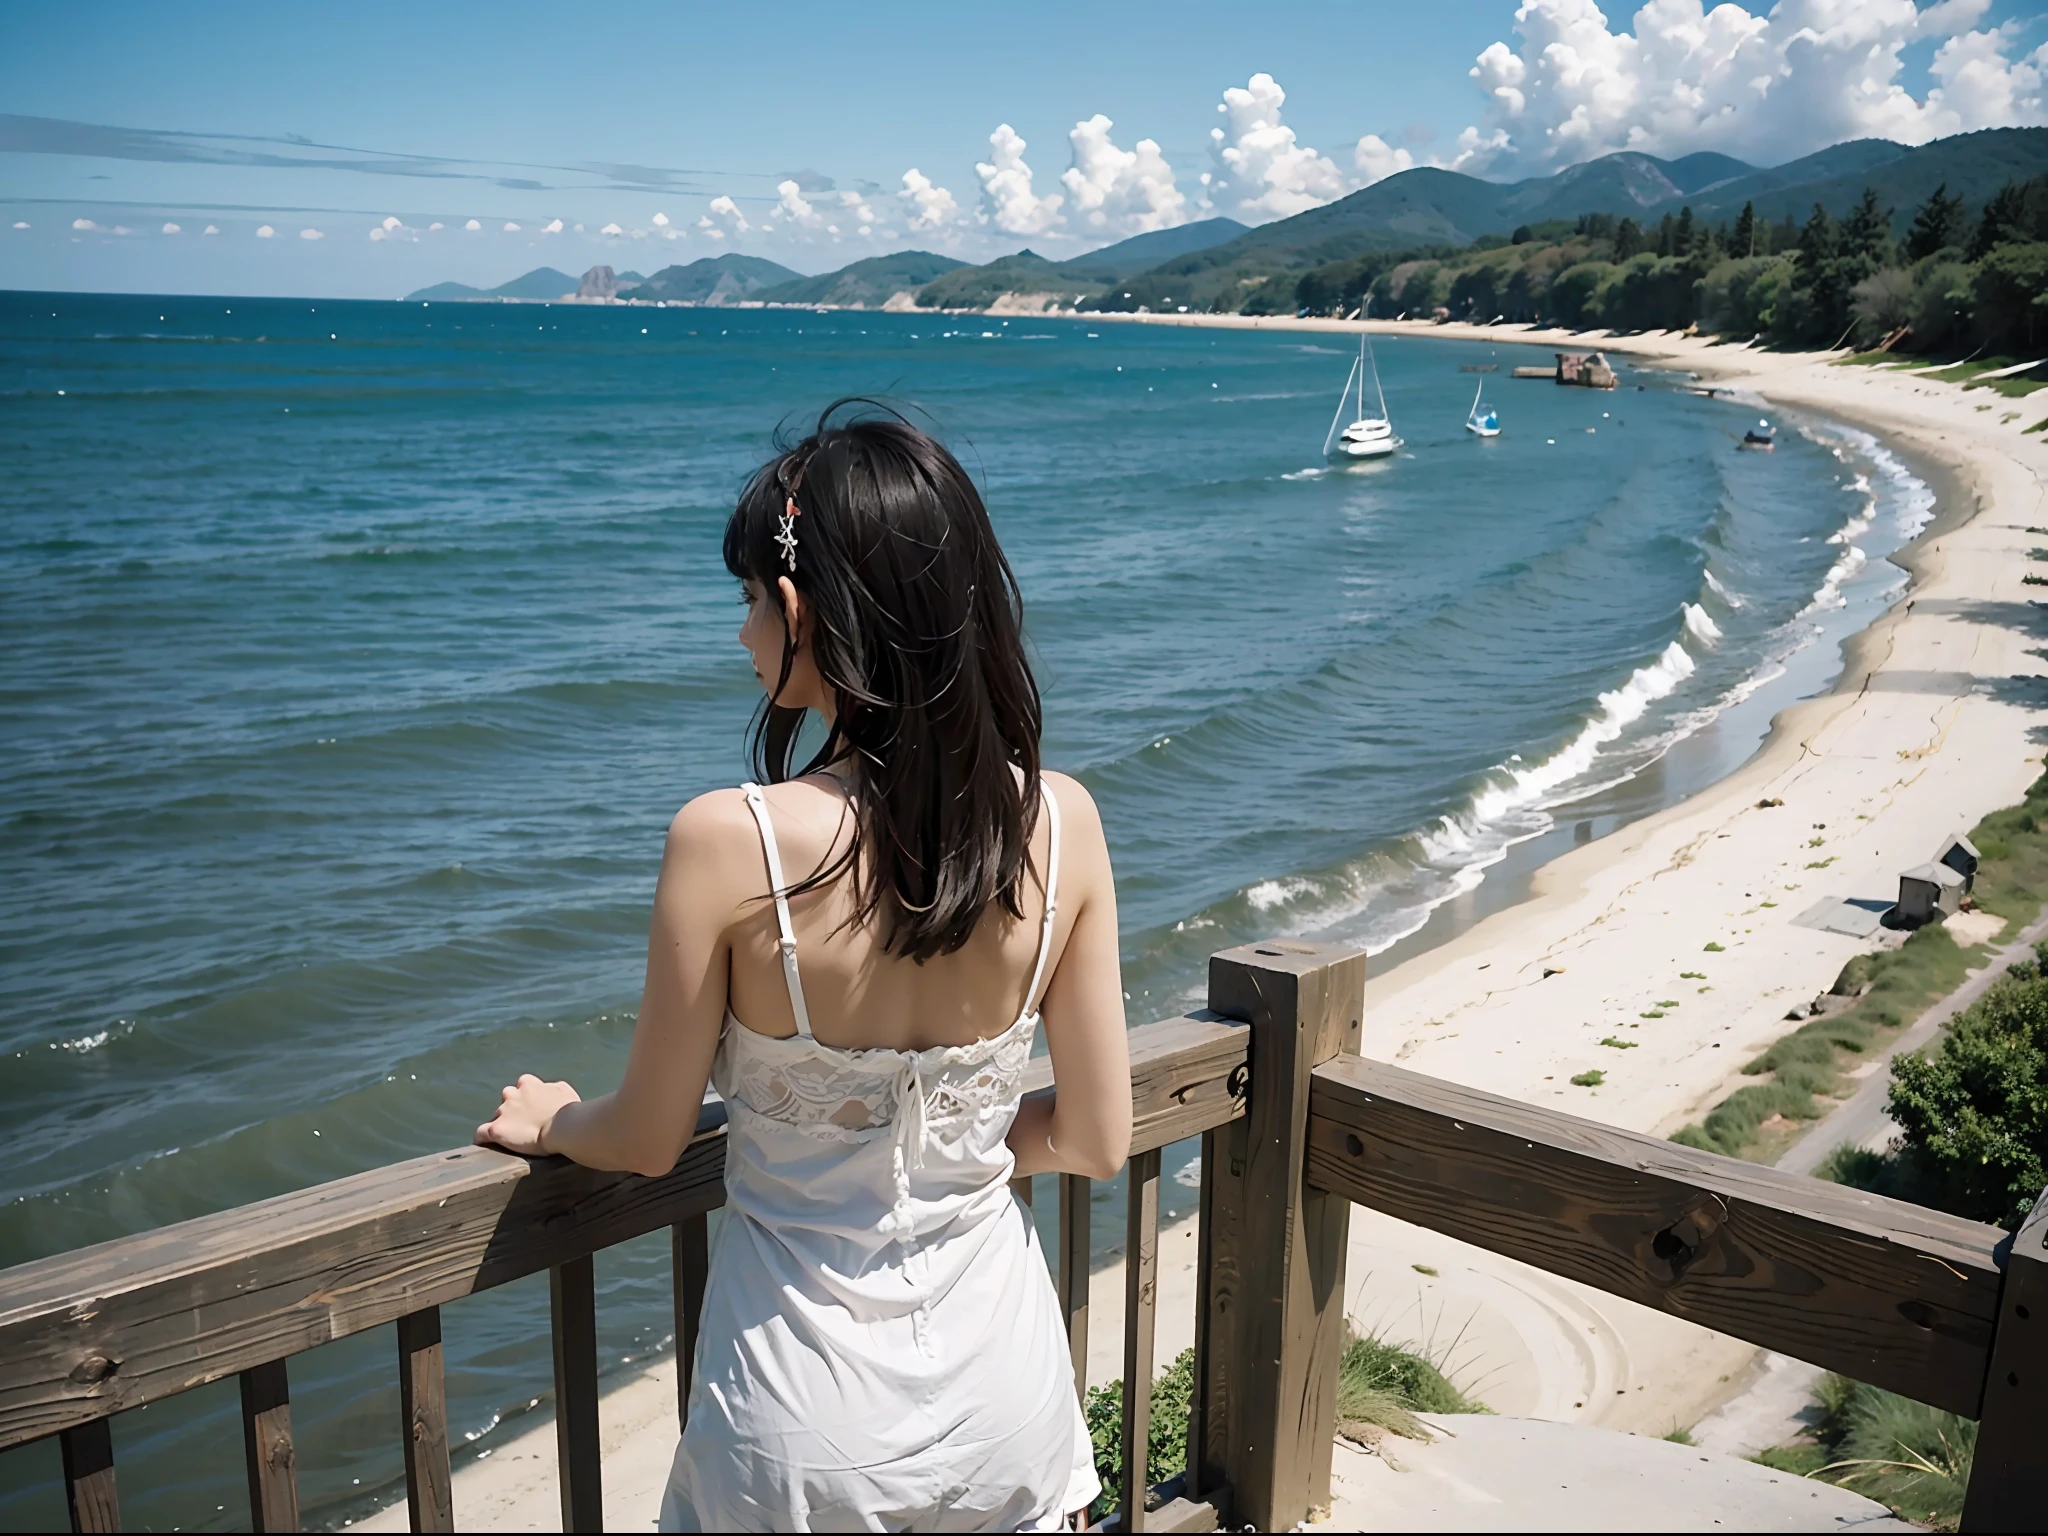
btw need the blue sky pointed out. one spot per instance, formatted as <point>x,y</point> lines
<point>823,133</point>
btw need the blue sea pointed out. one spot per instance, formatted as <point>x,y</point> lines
<point>358,654</point>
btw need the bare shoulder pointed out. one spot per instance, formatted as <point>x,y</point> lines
<point>714,839</point>
<point>1080,822</point>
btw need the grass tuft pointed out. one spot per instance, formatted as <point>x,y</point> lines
<point>1907,1455</point>
<point>1619,1045</point>
<point>1591,1078</point>
<point>1713,948</point>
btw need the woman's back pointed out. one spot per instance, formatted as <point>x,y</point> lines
<point>860,955</point>
<point>859,996</point>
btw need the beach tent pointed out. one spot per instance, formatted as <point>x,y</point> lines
<point>1960,855</point>
<point>1928,893</point>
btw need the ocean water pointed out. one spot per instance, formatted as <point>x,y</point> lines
<point>357,654</point>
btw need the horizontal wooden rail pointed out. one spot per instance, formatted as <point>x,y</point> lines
<point>120,1324</point>
<point>1188,1075</point>
<point>107,1328</point>
<point>1888,1293</point>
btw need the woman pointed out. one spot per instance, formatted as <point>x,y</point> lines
<point>858,955</point>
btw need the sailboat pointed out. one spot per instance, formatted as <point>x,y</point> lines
<point>1368,437</point>
<point>1482,422</point>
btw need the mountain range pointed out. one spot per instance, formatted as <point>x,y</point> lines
<point>1201,264</point>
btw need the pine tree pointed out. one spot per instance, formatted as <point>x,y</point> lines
<point>1664,235</point>
<point>1682,233</point>
<point>2000,222</point>
<point>1628,239</point>
<point>1867,230</point>
<point>1819,240</point>
<point>1937,226</point>
<point>1744,241</point>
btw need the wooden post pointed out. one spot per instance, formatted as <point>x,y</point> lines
<point>1273,1328</point>
<point>89,1476</point>
<point>423,1410</point>
<point>2009,1476</point>
<point>1141,1297</point>
<point>1071,1278</point>
<point>690,1256</point>
<point>267,1448</point>
<point>572,1294</point>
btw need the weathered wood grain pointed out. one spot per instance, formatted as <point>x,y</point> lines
<point>89,1491</point>
<point>1187,1076</point>
<point>1277,1285</point>
<point>119,1324</point>
<point>572,1307</point>
<point>1141,1297</point>
<point>267,1448</point>
<point>690,1267</point>
<point>1888,1293</point>
<point>1206,1450</point>
<point>1070,1277</point>
<point>423,1416</point>
<point>2009,1474</point>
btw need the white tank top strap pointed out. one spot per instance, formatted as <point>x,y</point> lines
<point>795,983</point>
<point>1052,896</point>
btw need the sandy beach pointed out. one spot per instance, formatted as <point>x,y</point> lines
<point>1932,725</point>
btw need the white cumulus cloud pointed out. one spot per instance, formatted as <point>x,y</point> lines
<point>174,229</point>
<point>473,225</point>
<point>21,223</point>
<point>211,229</point>
<point>511,228</point>
<point>926,205</point>
<point>725,218</point>
<point>660,221</point>
<point>1807,74</point>
<point>1007,198</point>
<point>437,224</point>
<point>311,234</point>
<point>1120,191</point>
<point>857,208</point>
<point>552,227</point>
<point>792,205</point>
<point>265,232</point>
<point>83,224</point>
<point>611,229</point>
<point>1262,171</point>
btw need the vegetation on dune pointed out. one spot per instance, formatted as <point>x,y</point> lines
<point>1886,1447</point>
<point>1892,988</point>
<point>1380,1387</point>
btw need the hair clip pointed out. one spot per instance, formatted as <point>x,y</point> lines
<point>785,535</point>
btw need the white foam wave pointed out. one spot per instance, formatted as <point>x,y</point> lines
<point>1700,625</point>
<point>1313,472</point>
<point>1720,590</point>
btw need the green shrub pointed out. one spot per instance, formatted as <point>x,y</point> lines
<point>1166,1455</point>
<point>1591,1078</point>
<point>1905,1454</point>
<point>1974,1115</point>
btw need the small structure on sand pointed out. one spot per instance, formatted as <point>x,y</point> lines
<point>1960,855</point>
<point>1928,893</point>
<point>1587,369</point>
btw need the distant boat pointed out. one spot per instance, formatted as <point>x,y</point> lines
<point>1761,438</point>
<point>1484,421</point>
<point>1368,437</point>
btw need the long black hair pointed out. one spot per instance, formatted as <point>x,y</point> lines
<point>917,628</point>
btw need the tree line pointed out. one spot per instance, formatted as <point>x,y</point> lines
<point>1953,281</point>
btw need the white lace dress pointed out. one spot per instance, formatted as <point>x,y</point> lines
<point>881,1347</point>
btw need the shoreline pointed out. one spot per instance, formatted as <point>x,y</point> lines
<point>1922,732</point>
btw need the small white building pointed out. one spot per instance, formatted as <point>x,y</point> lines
<point>1960,855</point>
<point>1928,893</point>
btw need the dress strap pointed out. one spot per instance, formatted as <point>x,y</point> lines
<point>759,807</point>
<point>1052,891</point>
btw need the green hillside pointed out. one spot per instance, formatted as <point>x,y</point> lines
<point>715,280</point>
<point>1027,272</point>
<point>1141,252</point>
<point>540,283</point>
<point>1429,210</point>
<point>870,283</point>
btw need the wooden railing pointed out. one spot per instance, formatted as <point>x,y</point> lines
<point>1295,1126</point>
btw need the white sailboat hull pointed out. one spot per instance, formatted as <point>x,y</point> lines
<point>1478,431</point>
<point>1374,448</point>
